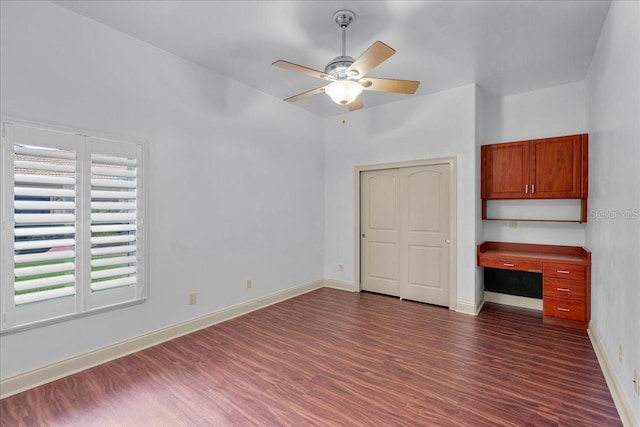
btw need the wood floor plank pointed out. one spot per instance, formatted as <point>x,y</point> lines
<point>333,358</point>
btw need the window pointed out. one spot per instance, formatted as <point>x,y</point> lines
<point>72,224</point>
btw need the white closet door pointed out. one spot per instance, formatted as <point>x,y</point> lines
<point>424,228</point>
<point>379,234</point>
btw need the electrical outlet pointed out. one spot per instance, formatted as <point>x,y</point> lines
<point>193,298</point>
<point>340,267</point>
<point>249,284</point>
<point>620,353</point>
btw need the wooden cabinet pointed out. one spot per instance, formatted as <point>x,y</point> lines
<point>505,171</point>
<point>558,167</point>
<point>565,293</point>
<point>566,276</point>
<point>549,168</point>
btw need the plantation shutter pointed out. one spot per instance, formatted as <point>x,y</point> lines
<point>114,222</point>
<point>72,224</point>
<point>45,223</point>
<point>40,247</point>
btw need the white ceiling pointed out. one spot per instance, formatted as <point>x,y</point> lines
<point>506,47</point>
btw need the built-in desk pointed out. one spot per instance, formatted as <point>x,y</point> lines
<point>566,276</point>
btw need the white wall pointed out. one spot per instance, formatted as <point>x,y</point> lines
<point>480,125</point>
<point>555,111</point>
<point>558,110</point>
<point>426,127</point>
<point>235,176</point>
<point>613,111</point>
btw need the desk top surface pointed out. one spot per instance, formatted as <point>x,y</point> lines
<point>526,251</point>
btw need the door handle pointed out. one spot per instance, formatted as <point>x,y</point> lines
<point>363,236</point>
<point>447,241</point>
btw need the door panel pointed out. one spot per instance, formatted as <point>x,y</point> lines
<point>423,202</point>
<point>508,174</point>
<point>424,266</point>
<point>382,206</point>
<point>379,239</point>
<point>424,231</point>
<point>555,167</point>
<point>382,260</point>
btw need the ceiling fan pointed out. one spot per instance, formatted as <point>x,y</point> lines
<point>347,76</point>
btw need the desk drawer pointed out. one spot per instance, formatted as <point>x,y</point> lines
<point>564,271</point>
<point>566,309</point>
<point>561,288</point>
<point>510,264</point>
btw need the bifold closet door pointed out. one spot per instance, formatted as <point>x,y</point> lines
<point>404,225</point>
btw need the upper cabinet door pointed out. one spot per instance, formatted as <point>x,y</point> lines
<point>505,171</point>
<point>556,168</point>
<point>549,168</point>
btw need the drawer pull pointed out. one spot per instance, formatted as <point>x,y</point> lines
<point>506,264</point>
<point>563,289</point>
<point>563,309</point>
<point>563,271</point>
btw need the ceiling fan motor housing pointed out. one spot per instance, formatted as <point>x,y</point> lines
<point>337,68</point>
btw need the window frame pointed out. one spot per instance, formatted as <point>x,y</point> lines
<point>84,301</point>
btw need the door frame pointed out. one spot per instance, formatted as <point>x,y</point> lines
<point>453,224</point>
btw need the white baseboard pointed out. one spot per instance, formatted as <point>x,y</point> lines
<point>27,380</point>
<point>469,308</point>
<point>513,300</point>
<point>617,393</point>
<point>343,286</point>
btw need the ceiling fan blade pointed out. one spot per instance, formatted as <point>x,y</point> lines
<point>355,105</point>
<point>389,85</point>
<point>377,53</point>
<point>300,69</point>
<point>306,94</point>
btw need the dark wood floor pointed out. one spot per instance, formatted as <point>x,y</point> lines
<point>333,358</point>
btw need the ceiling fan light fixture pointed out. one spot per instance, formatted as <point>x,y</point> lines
<point>343,91</point>
<point>348,76</point>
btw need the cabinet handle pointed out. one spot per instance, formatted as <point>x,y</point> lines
<point>526,188</point>
<point>563,289</point>
<point>533,188</point>
<point>508,265</point>
<point>562,309</point>
<point>563,271</point>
